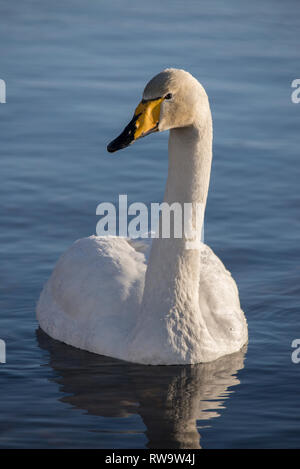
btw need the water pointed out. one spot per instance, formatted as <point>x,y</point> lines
<point>74,73</point>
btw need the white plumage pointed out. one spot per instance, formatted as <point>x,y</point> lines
<point>183,306</point>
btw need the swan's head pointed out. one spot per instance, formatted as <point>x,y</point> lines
<point>172,99</point>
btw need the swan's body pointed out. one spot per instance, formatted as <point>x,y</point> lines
<point>184,306</point>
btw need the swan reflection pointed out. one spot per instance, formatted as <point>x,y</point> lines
<point>171,400</point>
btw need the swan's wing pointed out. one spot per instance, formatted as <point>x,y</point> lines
<point>219,303</point>
<point>93,295</point>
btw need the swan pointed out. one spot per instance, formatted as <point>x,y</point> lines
<point>180,307</point>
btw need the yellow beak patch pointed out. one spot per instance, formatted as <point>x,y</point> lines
<point>147,117</point>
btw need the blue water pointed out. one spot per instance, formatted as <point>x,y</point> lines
<point>74,73</point>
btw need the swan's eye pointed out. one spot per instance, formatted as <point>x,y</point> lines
<point>169,96</point>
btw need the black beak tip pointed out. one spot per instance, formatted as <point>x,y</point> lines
<point>125,138</point>
<point>118,144</point>
<point>111,148</point>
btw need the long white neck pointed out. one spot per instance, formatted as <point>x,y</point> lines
<point>172,278</point>
<point>190,153</point>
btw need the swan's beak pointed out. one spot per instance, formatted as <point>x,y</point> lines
<point>144,122</point>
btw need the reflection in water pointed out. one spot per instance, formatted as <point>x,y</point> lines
<point>169,399</point>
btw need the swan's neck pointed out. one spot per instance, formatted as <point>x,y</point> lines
<point>190,152</point>
<point>172,278</point>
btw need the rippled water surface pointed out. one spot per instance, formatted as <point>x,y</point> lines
<point>74,73</point>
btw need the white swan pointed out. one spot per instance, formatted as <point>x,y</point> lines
<point>184,307</point>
